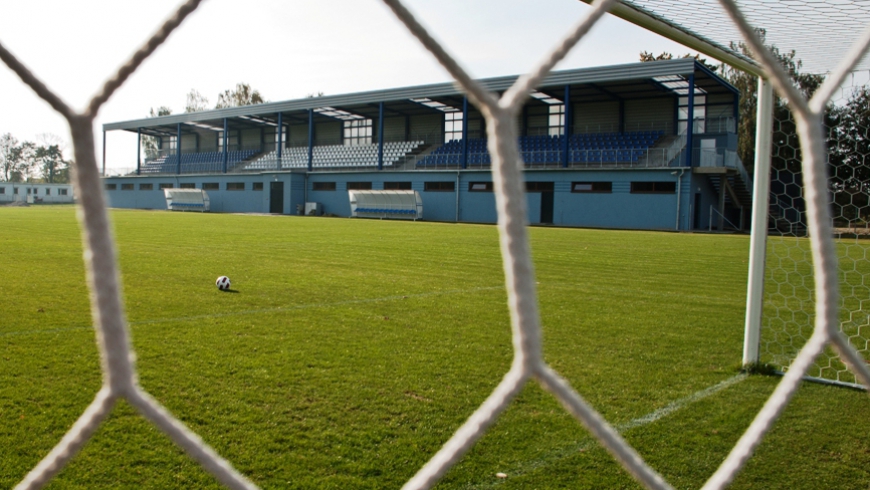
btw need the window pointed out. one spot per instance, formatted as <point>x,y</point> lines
<point>187,185</point>
<point>539,187</point>
<point>653,187</point>
<point>235,186</point>
<point>452,126</point>
<point>556,122</point>
<point>146,187</point>
<point>165,186</point>
<point>210,186</point>
<point>258,186</point>
<point>397,186</point>
<point>358,132</point>
<point>592,187</point>
<point>126,187</point>
<point>15,189</point>
<point>323,186</point>
<point>359,185</point>
<point>439,186</point>
<point>699,117</point>
<point>61,192</point>
<point>29,189</point>
<point>480,187</point>
<point>2,190</point>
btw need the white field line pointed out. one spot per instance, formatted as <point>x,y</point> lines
<point>276,309</point>
<point>647,419</point>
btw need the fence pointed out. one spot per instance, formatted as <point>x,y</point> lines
<point>120,380</point>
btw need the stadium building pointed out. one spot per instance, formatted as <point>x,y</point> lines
<point>636,146</point>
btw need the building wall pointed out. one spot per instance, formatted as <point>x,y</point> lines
<point>47,193</point>
<point>619,208</point>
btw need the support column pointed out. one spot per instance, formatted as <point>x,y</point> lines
<point>690,129</point>
<point>178,150</point>
<point>566,126</point>
<point>760,209</point>
<point>381,136</point>
<point>310,139</point>
<point>280,134</point>
<point>225,156</point>
<point>104,153</point>
<point>138,151</point>
<point>723,188</point>
<point>464,157</point>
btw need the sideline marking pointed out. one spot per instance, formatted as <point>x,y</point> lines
<point>264,310</point>
<point>591,442</point>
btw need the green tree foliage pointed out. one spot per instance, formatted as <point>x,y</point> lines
<point>32,162</point>
<point>242,95</point>
<point>849,155</point>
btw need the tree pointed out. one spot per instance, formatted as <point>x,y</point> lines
<point>242,95</point>
<point>150,144</point>
<point>27,163</point>
<point>787,154</point>
<point>10,156</point>
<point>647,56</point>
<point>49,159</point>
<point>196,102</point>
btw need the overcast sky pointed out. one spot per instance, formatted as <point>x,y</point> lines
<point>284,49</point>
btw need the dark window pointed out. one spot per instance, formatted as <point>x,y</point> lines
<point>15,189</point>
<point>258,186</point>
<point>653,187</point>
<point>29,189</point>
<point>592,187</point>
<point>397,186</point>
<point>2,190</point>
<point>61,192</point>
<point>210,186</point>
<point>439,186</point>
<point>47,192</point>
<point>235,186</point>
<point>539,187</point>
<point>126,187</point>
<point>187,185</point>
<point>146,187</point>
<point>480,187</point>
<point>165,186</point>
<point>323,186</point>
<point>359,185</point>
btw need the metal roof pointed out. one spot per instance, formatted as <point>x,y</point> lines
<point>626,81</point>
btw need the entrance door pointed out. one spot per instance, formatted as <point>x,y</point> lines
<point>276,197</point>
<point>696,219</point>
<point>547,207</point>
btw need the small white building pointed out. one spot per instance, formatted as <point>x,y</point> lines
<point>36,193</point>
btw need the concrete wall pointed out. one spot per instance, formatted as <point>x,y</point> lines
<point>619,208</point>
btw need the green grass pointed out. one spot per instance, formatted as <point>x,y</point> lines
<point>353,349</point>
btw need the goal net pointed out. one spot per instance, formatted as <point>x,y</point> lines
<point>816,284</point>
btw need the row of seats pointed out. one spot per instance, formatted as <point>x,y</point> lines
<point>336,156</point>
<point>211,161</point>
<point>582,148</point>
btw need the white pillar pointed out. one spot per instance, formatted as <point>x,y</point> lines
<point>760,209</point>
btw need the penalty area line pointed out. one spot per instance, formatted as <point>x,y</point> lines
<point>590,443</point>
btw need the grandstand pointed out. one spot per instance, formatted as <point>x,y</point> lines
<point>641,145</point>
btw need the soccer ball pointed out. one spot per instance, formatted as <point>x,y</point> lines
<point>223,283</point>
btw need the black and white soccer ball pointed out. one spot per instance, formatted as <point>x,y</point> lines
<point>223,283</point>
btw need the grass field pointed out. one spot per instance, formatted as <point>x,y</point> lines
<point>352,349</point>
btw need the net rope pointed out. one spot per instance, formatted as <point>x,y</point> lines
<point>117,356</point>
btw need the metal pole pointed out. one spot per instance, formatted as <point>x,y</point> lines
<point>280,138</point>
<point>690,129</point>
<point>381,136</point>
<point>464,157</point>
<point>104,153</point>
<point>138,151</point>
<point>226,143</point>
<point>566,126</point>
<point>310,139</point>
<point>758,236</point>
<point>178,150</point>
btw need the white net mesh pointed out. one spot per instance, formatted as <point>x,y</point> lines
<point>500,113</point>
<point>789,300</point>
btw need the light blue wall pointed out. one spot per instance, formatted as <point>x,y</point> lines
<point>617,209</point>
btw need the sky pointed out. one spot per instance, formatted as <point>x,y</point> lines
<point>284,49</point>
